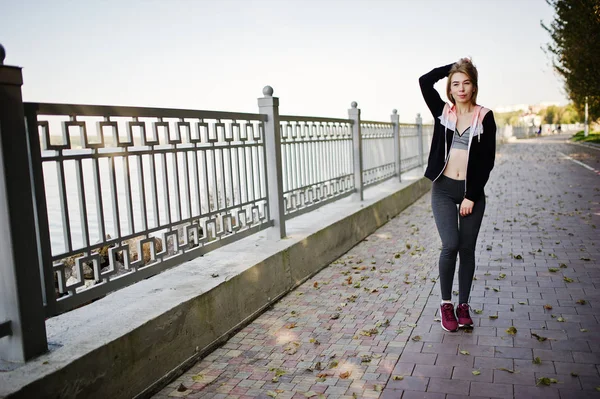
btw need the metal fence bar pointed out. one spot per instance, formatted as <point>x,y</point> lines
<point>23,329</point>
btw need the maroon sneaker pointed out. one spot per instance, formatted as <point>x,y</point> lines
<point>449,322</point>
<point>464,318</point>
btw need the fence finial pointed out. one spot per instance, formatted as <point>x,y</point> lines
<point>354,104</point>
<point>2,54</point>
<point>268,91</point>
<point>394,111</point>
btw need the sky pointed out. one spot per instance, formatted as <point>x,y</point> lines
<point>318,55</point>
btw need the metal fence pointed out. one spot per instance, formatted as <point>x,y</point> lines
<point>317,162</point>
<point>119,194</point>
<point>378,147</point>
<point>124,193</point>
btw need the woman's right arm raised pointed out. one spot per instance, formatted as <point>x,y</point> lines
<point>431,96</point>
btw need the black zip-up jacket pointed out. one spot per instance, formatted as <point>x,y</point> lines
<point>482,143</point>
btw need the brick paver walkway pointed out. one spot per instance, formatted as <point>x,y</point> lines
<point>367,326</point>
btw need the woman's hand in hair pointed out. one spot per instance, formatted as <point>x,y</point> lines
<point>466,207</point>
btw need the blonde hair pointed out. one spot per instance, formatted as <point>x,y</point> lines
<point>464,65</point>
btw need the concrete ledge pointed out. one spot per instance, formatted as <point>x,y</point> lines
<point>136,339</point>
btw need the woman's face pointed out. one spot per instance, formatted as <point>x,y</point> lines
<point>461,88</point>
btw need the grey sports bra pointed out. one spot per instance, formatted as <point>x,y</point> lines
<point>461,142</point>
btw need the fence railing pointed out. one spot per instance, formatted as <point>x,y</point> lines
<point>316,162</point>
<point>124,192</point>
<point>119,194</point>
<point>526,131</point>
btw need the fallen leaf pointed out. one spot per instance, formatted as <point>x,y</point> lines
<point>378,388</point>
<point>291,325</point>
<point>522,303</point>
<point>310,394</point>
<point>333,364</point>
<point>496,289</point>
<point>398,378</point>
<point>181,388</point>
<point>583,329</point>
<point>416,338</point>
<point>507,370</point>
<point>345,375</point>
<point>478,311</point>
<point>539,337</point>
<point>214,275</point>
<point>335,316</point>
<point>581,302</point>
<point>198,377</point>
<point>537,360</point>
<point>511,330</point>
<point>464,353</point>
<point>476,372</point>
<point>561,319</point>
<point>548,307</point>
<point>567,279</point>
<point>546,381</point>
<point>316,284</point>
<point>562,266</point>
<point>368,333</point>
<point>552,269</point>
<point>493,316</point>
<point>272,394</point>
<point>574,374</point>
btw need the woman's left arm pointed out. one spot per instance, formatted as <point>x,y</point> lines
<point>487,158</point>
<point>489,138</point>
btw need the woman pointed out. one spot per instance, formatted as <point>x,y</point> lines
<point>460,161</point>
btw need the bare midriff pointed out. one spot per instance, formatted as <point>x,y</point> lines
<point>456,168</point>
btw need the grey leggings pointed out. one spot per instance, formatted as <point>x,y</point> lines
<point>458,234</point>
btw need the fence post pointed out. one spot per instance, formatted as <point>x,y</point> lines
<point>397,153</point>
<point>22,317</point>
<point>269,106</point>
<point>586,127</point>
<point>419,121</point>
<point>354,115</point>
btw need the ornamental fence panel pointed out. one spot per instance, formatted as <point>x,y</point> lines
<point>125,192</point>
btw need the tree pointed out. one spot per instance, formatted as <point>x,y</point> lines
<point>575,50</point>
<point>550,114</point>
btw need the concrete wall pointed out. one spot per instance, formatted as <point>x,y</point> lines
<point>133,341</point>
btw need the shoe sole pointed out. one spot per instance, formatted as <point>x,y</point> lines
<point>465,325</point>
<point>445,329</point>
